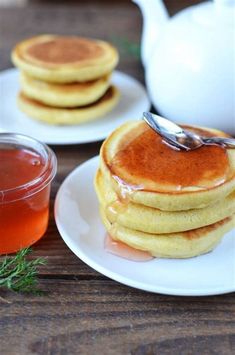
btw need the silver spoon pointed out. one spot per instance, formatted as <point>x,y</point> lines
<point>180,139</point>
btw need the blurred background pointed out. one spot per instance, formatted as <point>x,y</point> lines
<point>174,4</point>
<point>211,94</point>
<point>118,21</point>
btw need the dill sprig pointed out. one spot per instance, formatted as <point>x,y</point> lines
<point>19,274</point>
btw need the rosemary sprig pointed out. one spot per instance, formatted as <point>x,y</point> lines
<point>19,274</point>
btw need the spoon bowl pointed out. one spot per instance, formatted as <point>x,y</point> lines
<point>180,139</point>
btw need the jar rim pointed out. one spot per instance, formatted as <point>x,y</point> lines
<point>42,179</point>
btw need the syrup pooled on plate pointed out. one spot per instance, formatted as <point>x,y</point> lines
<point>124,251</point>
<point>24,207</point>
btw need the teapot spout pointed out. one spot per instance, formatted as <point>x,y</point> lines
<point>155,16</point>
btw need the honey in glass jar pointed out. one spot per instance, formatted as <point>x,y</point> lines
<point>27,168</point>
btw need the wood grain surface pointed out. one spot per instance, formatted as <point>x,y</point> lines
<point>82,311</point>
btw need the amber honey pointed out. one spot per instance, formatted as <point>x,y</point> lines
<point>146,158</point>
<point>27,168</point>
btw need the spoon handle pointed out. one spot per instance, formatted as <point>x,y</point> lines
<point>226,142</point>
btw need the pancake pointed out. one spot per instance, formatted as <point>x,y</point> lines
<point>150,220</point>
<point>69,116</point>
<point>64,95</point>
<point>138,164</point>
<point>176,245</point>
<point>64,59</point>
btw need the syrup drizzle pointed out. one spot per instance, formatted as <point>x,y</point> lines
<point>126,189</point>
<point>124,251</point>
<point>124,193</point>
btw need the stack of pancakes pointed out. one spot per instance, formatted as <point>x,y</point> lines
<point>172,204</point>
<point>65,80</point>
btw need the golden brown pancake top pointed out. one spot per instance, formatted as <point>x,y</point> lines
<point>146,157</point>
<point>65,50</point>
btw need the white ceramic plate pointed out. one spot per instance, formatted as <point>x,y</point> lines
<point>133,102</point>
<point>78,221</point>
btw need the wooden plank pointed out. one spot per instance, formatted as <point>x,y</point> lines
<point>103,317</point>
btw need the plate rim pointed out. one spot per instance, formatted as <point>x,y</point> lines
<point>113,275</point>
<point>74,141</point>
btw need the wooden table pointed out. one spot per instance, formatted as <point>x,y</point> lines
<point>83,312</point>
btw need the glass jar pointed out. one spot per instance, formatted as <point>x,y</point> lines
<point>27,168</point>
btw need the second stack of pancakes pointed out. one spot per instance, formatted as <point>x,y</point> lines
<point>65,80</point>
<point>172,204</point>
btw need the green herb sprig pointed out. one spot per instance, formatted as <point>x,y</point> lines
<point>19,274</point>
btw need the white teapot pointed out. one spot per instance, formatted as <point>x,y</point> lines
<point>190,62</point>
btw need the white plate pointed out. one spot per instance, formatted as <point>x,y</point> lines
<point>78,221</point>
<point>133,102</point>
